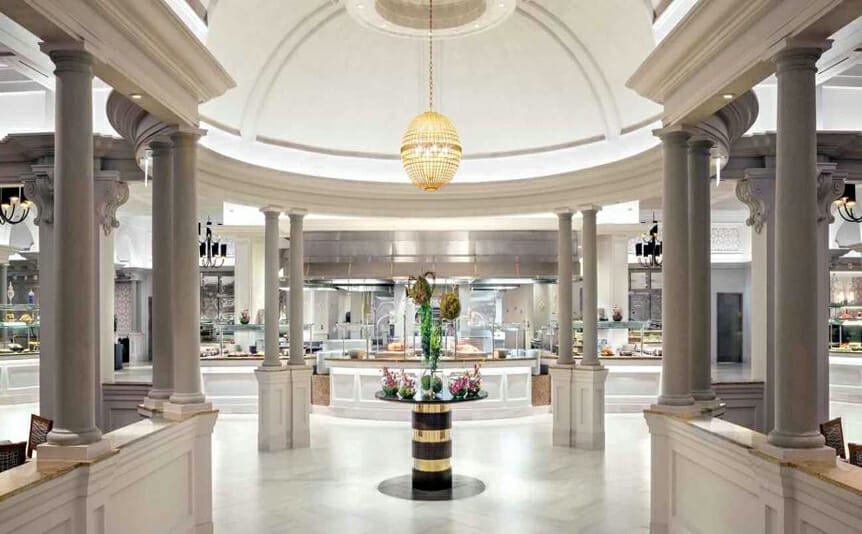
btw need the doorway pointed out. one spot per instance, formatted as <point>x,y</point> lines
<point>729,327</point>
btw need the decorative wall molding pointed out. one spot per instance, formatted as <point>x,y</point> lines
<point>139,47</point>
<point>726,47</point>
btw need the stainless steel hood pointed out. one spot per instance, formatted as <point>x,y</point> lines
<point>450,254</point>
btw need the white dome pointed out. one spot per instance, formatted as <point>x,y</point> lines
<point>322,92</point>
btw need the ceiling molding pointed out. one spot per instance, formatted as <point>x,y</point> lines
<point>243,183</point>
<point>278,58</point>
<point>139,47</point>
<point>724,47</point>
<point>583,59</point>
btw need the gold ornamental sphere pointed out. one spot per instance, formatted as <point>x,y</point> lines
<point>431,151</point>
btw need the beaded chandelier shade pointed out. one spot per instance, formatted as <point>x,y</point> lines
<point>431,148</point>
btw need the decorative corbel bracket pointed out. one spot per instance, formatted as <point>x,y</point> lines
<point>830,187</point>
<point>39,189</point>
<point>110,194</point>
<point>756,190</point>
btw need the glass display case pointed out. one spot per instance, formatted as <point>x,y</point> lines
<point>19,329</point>
<point>845,328</point>
<point>217,297</point>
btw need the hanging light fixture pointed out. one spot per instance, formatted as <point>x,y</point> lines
<point>212,251</point>
<point>431,148</point>
<point>846,203</point>
<point>648,250</point>
<point>14,208</point>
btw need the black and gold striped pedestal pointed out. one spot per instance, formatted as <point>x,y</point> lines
<point>432,478</point>
<point>432,447</point>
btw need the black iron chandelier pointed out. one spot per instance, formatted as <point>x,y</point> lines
<point>212,251</point>
<point>846,203</point>
<point>14,207</point>
<point>648,249</point>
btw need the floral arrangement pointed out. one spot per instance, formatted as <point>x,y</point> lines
<point>459,385</point>
<point>474,384</point>
<point>421,290</point>
<point>389,383</point>
<point>450,305</point>
<point>407,388</point>
<point>432,384</point>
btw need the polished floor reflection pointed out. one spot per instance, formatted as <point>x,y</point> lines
<point>531,486</point>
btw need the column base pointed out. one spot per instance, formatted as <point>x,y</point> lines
<point>685,411</point>
<point>273,413</point>
<point>300,395</point>
<point>177,412</point>
<point>155,401</point>
<point>802,441</point>
<point>284,406</point>
<point>50,456</point>
<point>819,455</point>
<point>578,404</point>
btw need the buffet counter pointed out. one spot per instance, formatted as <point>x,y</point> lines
<point>845,376</point>
<point>19,378</point>
<point>353,383</point>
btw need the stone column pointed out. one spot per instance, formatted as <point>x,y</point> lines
<point>75,436</point>
<point>297,276</point>
<point>699,272</point>
<point>271,352</point>
<point>39,188</point>
<point>590,281</point>
<point>830,187</point>
<point>796,326</point>
<point>163,257</point>
<point>187,397</point>
<point>756,190</point>
<point>564,281</point>
<point>675,375</point>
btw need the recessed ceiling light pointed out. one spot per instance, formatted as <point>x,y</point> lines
<point>136,96</point>
<point>728,96</point>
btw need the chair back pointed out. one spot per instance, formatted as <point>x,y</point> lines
<point>12,455</point>
<point>39,428</point>
<point>834,434</point>
<point>855,456</point>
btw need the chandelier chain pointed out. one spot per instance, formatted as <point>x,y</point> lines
<point>431,55</point>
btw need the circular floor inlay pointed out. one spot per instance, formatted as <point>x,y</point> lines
<point>409,18</point>
<point>402,488</point>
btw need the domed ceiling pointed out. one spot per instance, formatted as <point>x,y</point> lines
<point>326,88</point>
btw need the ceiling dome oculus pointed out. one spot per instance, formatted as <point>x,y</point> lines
<point>409,18</point>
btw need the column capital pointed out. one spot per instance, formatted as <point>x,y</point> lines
<point>679,134</point>
<point>700,143</point>
<point>794,53</point>
<point>296,212</point>
<point>595,208</point>
<point>110,194</point>
<point>69,56</point>
<point>830,187</point>
<point>272,210</point>
<point>184,137</point>
<point>39,188</point>
<point>757,191</point>
<point>161,146</point>
<point>565,212</point>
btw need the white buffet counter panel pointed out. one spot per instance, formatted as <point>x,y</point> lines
<point>845,377</point>
<point>19,379</point>
<point>354,382</point>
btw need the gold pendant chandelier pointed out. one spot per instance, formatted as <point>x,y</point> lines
<point>431,148</point>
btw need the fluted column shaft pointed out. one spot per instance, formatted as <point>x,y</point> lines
<point>564,281</point>
<point>74,415</point>
<point>270,302</point>
<point>590,281</point>
<point>675,374</point>
<point>297,276</point>
<point>163,258</point>
<point>699,270</point>
<point>796,324</point>
<point>186,268</point>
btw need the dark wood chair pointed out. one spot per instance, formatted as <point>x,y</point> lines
<point>12,455</point>
<point>39,428</point>
<point>855,456</point>
<point>834,434</point>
